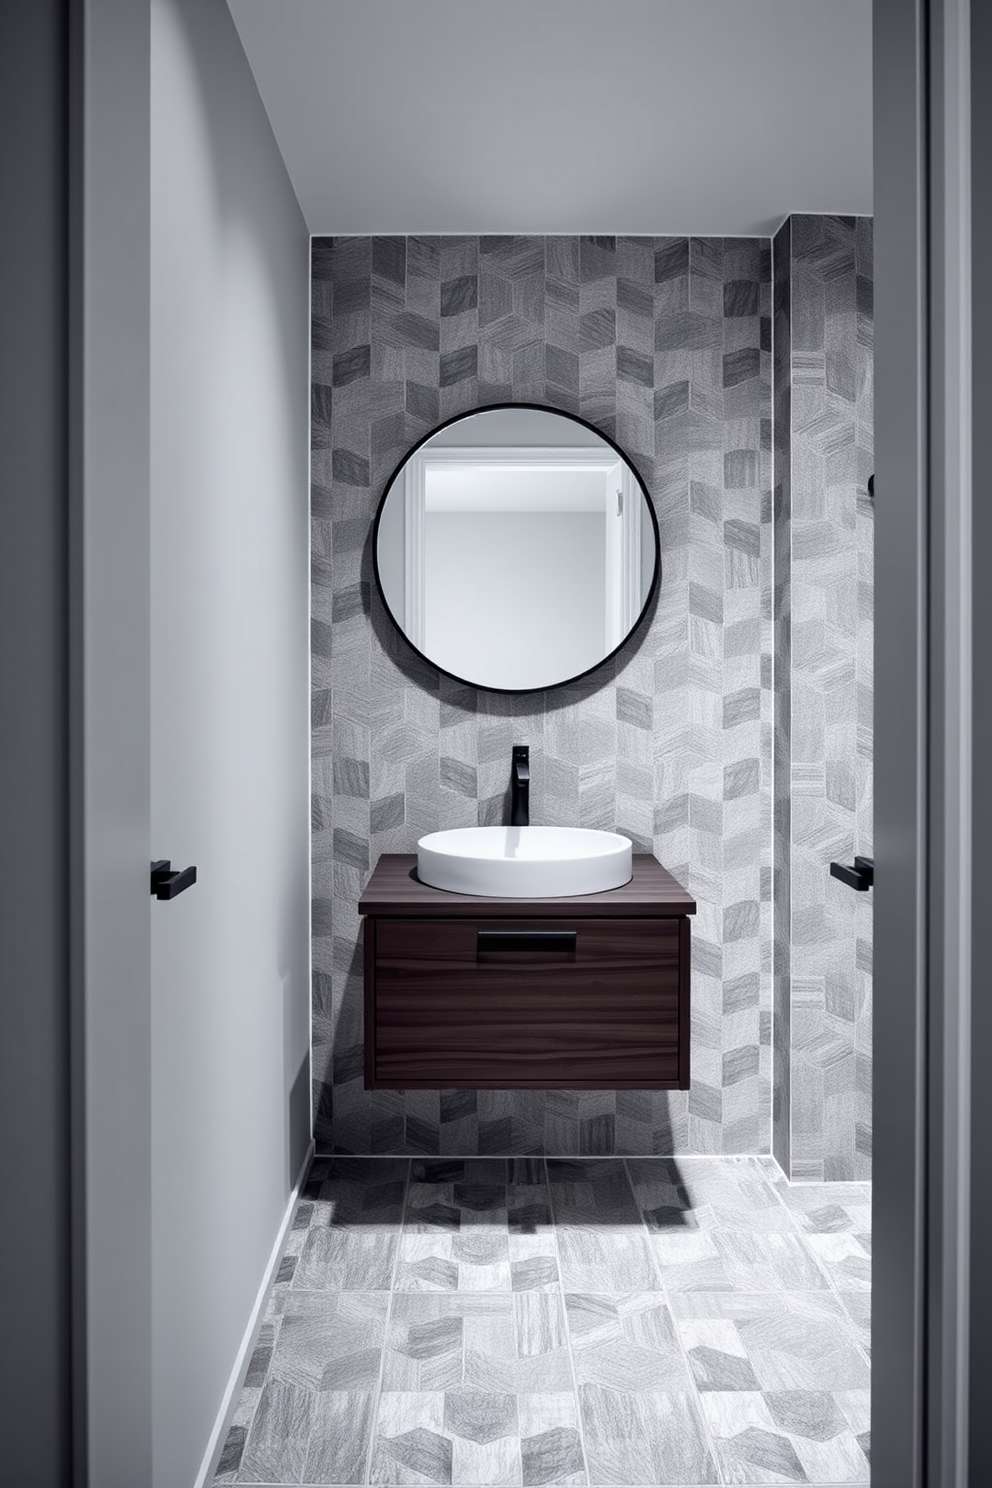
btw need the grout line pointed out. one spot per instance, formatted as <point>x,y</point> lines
<point>575,232</point>
<point>660,1272</point>
<point>572,1157</point>
<point>377,1397</point>
<point>564,1318</point>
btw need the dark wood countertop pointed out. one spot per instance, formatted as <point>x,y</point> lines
<point>395,889</point>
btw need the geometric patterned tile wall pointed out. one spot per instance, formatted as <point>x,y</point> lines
<point>824,626</point>
<point>665,345</point>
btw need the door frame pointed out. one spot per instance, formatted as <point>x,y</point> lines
<point>925,711</point>
<point>929,1201</point>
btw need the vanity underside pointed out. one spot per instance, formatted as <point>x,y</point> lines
<point>583,993</point>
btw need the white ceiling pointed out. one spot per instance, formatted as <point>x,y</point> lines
<point>547,116</point>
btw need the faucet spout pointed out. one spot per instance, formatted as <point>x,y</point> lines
<point>520,786</point>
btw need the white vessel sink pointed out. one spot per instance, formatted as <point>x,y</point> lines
<point>524,862</point>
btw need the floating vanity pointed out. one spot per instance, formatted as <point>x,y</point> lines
<point>584,992</point>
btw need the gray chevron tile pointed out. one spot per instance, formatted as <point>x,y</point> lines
<point>694,1194</point>
<point>626,1341</point>
<point>313,1414</point>
<point>824,527</point>
<point>793,1341</point>
<point>410,1446</point>
<point>276,1446</point>
<point>593,1257</point>
<point>338,1443</point>
<point>796,1436</point>
<point>536,299</point>
<point>646,1438</point>
<point>470,1436</point>
<point>506,1343</point>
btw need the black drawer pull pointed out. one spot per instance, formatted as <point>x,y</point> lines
<point>527,940</point>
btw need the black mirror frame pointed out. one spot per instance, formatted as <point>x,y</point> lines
<point>655,577</point>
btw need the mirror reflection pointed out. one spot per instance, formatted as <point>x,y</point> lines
<point>516,548</point>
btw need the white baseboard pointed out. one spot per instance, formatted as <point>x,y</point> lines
<point>232,1394</point>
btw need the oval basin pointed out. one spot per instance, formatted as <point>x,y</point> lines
<point>524,862</point>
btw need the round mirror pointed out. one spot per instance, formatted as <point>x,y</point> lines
<point>516,548</point>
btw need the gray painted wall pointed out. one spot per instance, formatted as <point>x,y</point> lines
<point>229,712</point>
<point>34,743</point>
<point>664,344</point>
<point>109,630</point>
<point>824,679</point>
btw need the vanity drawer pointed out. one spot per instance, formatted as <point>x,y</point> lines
<point>501,1003</point>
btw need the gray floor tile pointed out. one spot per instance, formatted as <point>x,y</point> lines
<point>768,1262</point>
<point>645,1438</point>
<point>314,1413</point>
<point>481,1225</point>
<point>354,1208</point>
<point>790,1340</point>
<point>358,1191</point>
<point>330,1342</point>
<point>585,1192</point>
<point>346,1260</point>
<point>472,1436</point>
<point>792,1436</point>
<point>232,1452</point>
<point>689,1261</point>
<point>735,1260</point>
<point>339,1437</point>
<point>627,1341</point>
<point>497,1342</point>
<point>668,1322</point>
<point>702,1194</point>
<point>276,1448</point>
<point>845,1257</point>
<point>597,1259</point>
<point>857,1305</point>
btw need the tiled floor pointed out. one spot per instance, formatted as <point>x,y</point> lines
<point>654,1321</point>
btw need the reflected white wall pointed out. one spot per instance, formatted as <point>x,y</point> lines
<point>521,578</point>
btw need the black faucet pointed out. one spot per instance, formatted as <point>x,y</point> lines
<point>520,786</point>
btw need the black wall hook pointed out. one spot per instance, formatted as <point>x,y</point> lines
<point>166,884</point>
<point>861,876</point>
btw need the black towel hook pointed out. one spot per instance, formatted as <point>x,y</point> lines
<point>861,876</point>
<point>166,884</point>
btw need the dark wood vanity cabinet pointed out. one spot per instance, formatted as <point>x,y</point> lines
<point>589,992</point>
